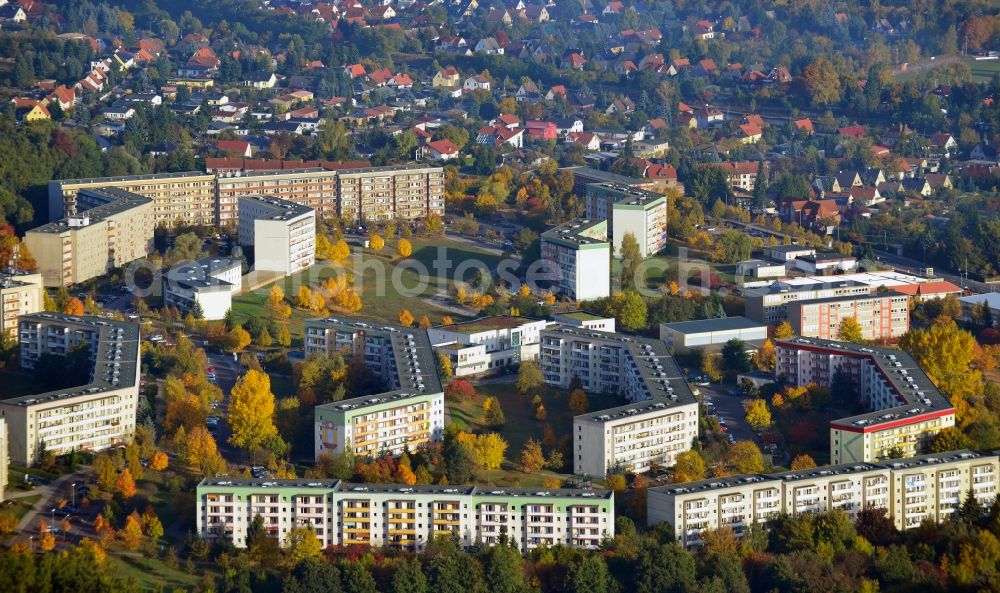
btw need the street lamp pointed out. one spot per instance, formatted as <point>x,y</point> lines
<point>73,486</point>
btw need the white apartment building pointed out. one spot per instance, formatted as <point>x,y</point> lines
<point>580,253</point>
<point>315,188</point>
<point>880,315</point>
<point>211,282</point>
<point>907,410</point>
<point>20,294</point>
<point>584,320</point>
<point>488,344</point>
<point>282,234</point>
<point>404,517</point>
<point>911,490</point>
<point>89,417</point>
<point>629,210</point>
<point>113,228</point>
<point>659,423</point>
<point>410,414</point>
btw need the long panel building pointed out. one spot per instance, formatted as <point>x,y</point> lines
<point>112,228</point>
<point>20,294</point>
<point>410,413</point>
<point>911,490</point>
<point>404,517</point>
<point>907,409</point>
<point>178,198</point>
<point>356,195</point>
<point>659,423</point>
<point>90,417</point>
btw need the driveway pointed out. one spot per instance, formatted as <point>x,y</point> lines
<point>227,371</point>
<point>730,408</point>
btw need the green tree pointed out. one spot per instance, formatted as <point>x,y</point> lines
<point>664,568</point>
<point>187,246</point>
<point>356,578</point>
<point>631,258</point>
<point>588,575</point>
<point>949,439</point>
<point>734,357</point>
<point>409,577</point>
<point>629,309</point>
<point>503,570</point>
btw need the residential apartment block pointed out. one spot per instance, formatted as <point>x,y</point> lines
<point>410,413</point>
<point>186,198</point>
<point>375,194</point>
<point>89,417</point>
<point>211,282</point>
<point>282,234</point>
<point>20,294</point>
<point>356,194</point>
<point>880,315</point>
<point>315,188</point>
<point>629,210</point>
<point>659,422</point>
<point>911,490</point>
<point>404,517</point>
<point>585,320</point>
<point>488,344</point>
<point>907,410</point>
<point>580,253</point>
<point>113,228</point>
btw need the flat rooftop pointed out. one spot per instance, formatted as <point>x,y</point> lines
<point>626,194</point>
<point>116,201</point>
<point>576,233</point>
<point>665,386</point>
<point>591,175</point>
<point>361,488</point>
<point>700,326</point>
<point>115,361</point>
<point>826,257</point>
<point>277,208</point>
<point>828,471</point>
<point>129,178</point>
<point>416,364</point>
<point>580,316</point>
<point>850,297</point>
<point>916,394</point>
<point>487,324</point>
<point>201,273</point>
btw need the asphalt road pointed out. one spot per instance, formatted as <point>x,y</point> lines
<point>729,408</point>
<point>226,371</point>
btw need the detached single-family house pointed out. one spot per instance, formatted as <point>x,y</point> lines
<point>477,82</point>
<point>447,77</point>
<point>438,150</point>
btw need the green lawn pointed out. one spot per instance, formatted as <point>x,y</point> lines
<point>379,292</point>
<point>521,424</point>
<point>152,574</point>
<point>984,70</point>
<point>22,505</point>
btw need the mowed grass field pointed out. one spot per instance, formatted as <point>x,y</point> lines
<point>984,70</point>
<point>388,284</point>
<point>522,425</point>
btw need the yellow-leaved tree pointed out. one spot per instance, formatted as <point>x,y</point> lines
<point>376,243</point>
<point>689,467</point>
<point>757,414</point>
<point>947,353</point>
<point>251,411</point>
<point>404,248</point>
<point>405,318</point>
